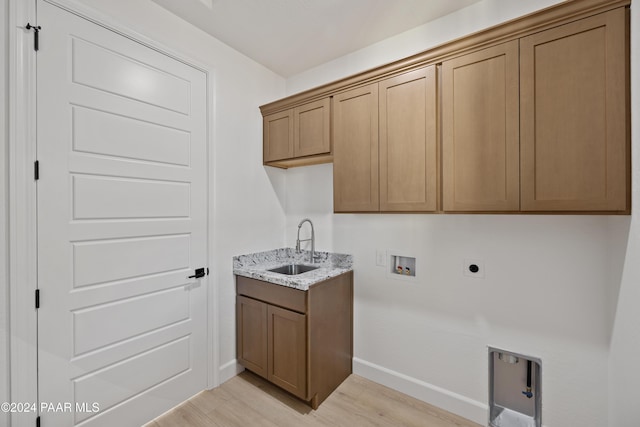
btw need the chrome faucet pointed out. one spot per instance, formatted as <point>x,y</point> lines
<point>312,254</point>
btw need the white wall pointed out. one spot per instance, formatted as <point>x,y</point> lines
<point>4,288</point>
<point>624,393</point>
<point>551,285</point>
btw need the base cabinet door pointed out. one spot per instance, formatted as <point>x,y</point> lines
<point>287,350</point>
<point>252,349</point>
<point>573,116</point>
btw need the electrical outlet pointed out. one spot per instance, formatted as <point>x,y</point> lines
<point>381,257</point>
<point>473,268</point>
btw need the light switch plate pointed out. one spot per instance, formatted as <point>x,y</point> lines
<point>381,257</point>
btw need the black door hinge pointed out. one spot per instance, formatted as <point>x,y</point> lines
<point>37,298</point>
<point>38,421</point>
<point>36,170</point>
<point>200,272</point>
<point>36,35</point>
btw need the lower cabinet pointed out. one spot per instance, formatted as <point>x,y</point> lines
<point>301,341</point>
<point>252,334</point>
<point>287,350</point>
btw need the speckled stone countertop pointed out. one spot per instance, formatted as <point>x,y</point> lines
<point>256,266</point>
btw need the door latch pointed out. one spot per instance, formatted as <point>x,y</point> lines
<point>200,272</point>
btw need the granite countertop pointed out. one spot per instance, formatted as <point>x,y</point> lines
<point>256,266</point>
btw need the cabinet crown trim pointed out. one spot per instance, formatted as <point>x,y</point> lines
<point>543,19</point>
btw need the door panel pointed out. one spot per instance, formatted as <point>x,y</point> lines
<point>121,224</point>
<point>108,134</point>
<point>312,127</point>
<point>408,153</point>
<point>252,334</point>
<point>141,82</point>
<point>278,136</point>
<point>125,319</point>
<point>480,136</point>
<point>169,360</point>
<point>128,258</point>
<point>288,350</point>
<point>355,150</point>
<point>574,137</point>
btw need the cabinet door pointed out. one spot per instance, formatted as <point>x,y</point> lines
<point>311,128</point>
<point>277,136</point>
<point>287,350</point>
<point>355,150</point>
<point>251,324</point>
<point>573,116</point>
<point>480,136</point>
<point>408,156</point>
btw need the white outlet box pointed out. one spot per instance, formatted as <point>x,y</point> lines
<point>473,268</point>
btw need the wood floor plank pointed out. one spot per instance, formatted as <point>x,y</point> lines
<point>248,400</point>
<point>186,415</point>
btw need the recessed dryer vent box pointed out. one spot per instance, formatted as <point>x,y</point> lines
<point>401,266</point>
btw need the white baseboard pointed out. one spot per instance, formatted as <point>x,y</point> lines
<point>434,395</point>
<point>229,370</point>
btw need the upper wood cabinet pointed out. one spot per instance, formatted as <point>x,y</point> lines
<point>277,136</point>
<point>355,150</point>
<point>297,136</point>
<point>480,141</point>
<point>574,96</point>
<point>530,116</point>
<point>408,142</point>
<point>312,128</point>
<point>385,145</point>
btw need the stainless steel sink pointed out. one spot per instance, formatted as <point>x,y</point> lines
<point>293,269</point>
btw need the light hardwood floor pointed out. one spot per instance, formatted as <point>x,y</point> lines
<point>247,400</point>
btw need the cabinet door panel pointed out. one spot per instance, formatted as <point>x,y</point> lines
<point>287,350</point>
<point>573,118</point>
<point>277,136</point>
<point>312,128</point>
<point>355,150</point>
<point>251,327</point>
<point>480,135</point>
<point>408,156</point>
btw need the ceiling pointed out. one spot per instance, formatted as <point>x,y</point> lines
<point>291,36</point>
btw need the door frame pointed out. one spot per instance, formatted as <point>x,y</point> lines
<point>22,224</point>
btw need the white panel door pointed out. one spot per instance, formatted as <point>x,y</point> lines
<point>122,211</point>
